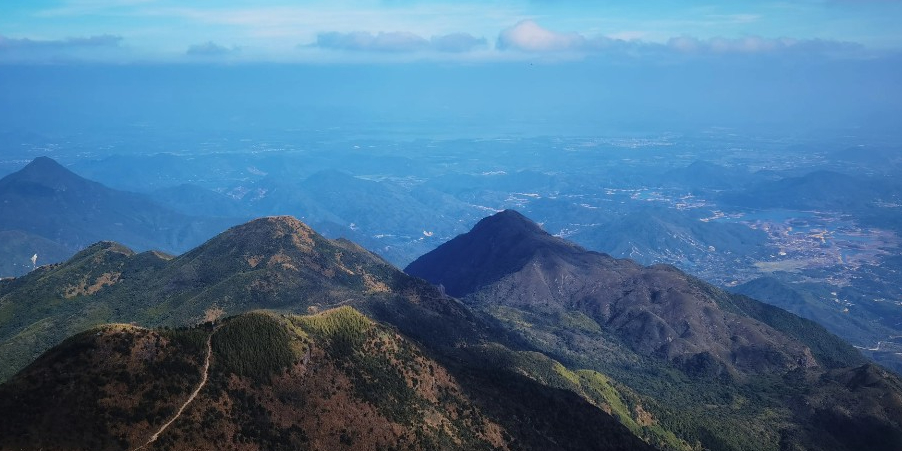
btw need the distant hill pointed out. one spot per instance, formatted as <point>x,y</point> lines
<point>198,201</point>
<point>45,202</point>
<point>650,235</point>
<point>664,335</point>
<point>818,190</point>
<point>17,248</point>
<point>704,176</point>
<point>883,159</point>
<point>808,303</point>
<point>871,323</point>
<point>399,224</point>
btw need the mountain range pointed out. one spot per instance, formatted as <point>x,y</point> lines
<point>50,211</point>
<point>502,338</point>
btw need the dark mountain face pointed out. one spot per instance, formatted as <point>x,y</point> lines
<point>497,246</point>
<point>693,349</point>
<point>44,174</point>
<point>509,261</point>
<point>45,201</point>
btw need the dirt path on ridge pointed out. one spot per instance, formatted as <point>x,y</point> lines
<point>203,381</point>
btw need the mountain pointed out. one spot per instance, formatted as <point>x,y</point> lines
<point>429,375</point>
<point>272,263</point>
<point>709,365</point>
<point>814,303</point>
<point>139,173</point>
<point>46,202</point>
<point>195,200</point>
<point>558,347</point>
<point>649,235</point>
<point>510,261</point>
<point>17,248</point>
<point>335,380</point>
<point>485,254</point>
<point>875,158</point>
<point>819,190</point>
<point>870,327</point>
<point>398,222</point>
<point>705,176</point>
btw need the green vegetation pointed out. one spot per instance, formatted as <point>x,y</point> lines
<point>254,345</point>
<point>686,411</point>
<point>372,358</point>
<point>626,406</point>
<point>829,350</point>
<point>344,328</point>
<point>188,339</point>
<point>600,390</point>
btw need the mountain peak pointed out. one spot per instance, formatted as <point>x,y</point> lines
<point>277,223</point>
<point>285,255</point>
<point>45,166</point>
<point>509,221</point>
<point>496,246</point>
<point>272,233</point>
<point>43,162</point>
<point>277,226</point>
<point>47,172</point>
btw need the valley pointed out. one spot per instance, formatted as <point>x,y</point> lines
<point>729,208</point>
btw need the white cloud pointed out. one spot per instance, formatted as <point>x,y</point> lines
<point>528,36</point>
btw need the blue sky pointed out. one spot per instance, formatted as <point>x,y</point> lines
<point>540,66</point>
<point>409,30</point>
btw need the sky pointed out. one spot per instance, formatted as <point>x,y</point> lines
<point>509,66</point>
<point>341,31</point>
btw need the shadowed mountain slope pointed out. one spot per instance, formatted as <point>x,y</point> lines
<point>486,254</point>
<point>506,260</point>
